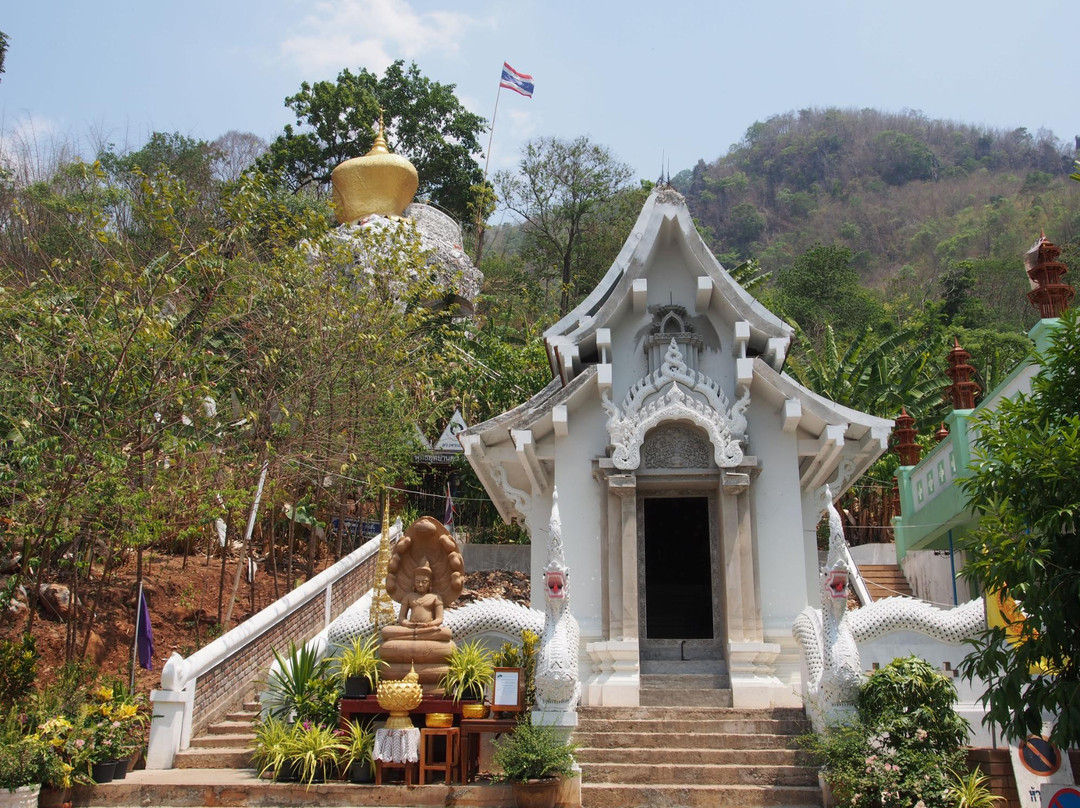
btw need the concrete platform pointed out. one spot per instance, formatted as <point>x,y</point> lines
<point>191,788</point>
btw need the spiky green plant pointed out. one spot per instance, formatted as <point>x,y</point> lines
<point>470,669</point>
<point>313,750</point>
<point>972,790</point>
<point>297,683</point>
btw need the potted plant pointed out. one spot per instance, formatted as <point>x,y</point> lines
<point>358,666</point>
<point>271,747</point>
<point>301,687</point>
<point>358,757</point>
<point>534,759</point>
<point>470,670</point>
<point>26,761</point>
<point>313,751</point>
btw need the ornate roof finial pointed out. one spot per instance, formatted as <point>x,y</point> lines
<point>960,370</point>
<point>906,447</point>
<point>1050,294</point>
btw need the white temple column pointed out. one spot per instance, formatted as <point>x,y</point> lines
<point>616,661</point>
<point>733,578</point>
<point>625,486</point>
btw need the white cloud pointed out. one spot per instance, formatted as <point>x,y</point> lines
<point>371,34</point>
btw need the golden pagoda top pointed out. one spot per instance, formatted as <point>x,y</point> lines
<point>379,182</point>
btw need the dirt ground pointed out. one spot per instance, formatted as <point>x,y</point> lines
<point>183,602</point>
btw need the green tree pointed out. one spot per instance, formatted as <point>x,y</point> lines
<point>821,287</point>
<point>874,374</point>
<point>154,365</point>
<point>559,190</point>
<point>424,122</point>
<point>1024,487</point>
<point>902,158</point>
<point>3,49</point>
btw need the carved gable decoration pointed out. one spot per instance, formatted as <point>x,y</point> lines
<point>674,390</point>
<point>676,446</point>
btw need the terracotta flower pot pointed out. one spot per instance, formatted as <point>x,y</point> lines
<point>536,793</point>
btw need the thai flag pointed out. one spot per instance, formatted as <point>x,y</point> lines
<point>518,82</point>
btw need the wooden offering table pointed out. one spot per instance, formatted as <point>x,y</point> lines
<point>471,730</point>
<point>352,708</point>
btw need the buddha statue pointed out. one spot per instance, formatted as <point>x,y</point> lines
<point>426,574</point>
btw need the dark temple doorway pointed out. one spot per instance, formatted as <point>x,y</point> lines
<point>678,569</point>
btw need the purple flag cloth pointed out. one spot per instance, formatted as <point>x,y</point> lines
<point>144,638</point>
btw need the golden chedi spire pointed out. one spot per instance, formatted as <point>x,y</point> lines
<point>378,182</point>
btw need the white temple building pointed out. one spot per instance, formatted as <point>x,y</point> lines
<point>690,470</point>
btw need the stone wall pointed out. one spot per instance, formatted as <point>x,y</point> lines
<point>496,557</point>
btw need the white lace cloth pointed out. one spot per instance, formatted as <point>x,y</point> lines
<point>397,745</point>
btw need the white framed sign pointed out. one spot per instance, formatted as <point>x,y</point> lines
<point>508,694</point>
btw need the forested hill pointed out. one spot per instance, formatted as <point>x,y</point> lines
<point>913,199</point>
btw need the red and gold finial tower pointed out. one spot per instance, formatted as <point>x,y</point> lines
<point>963,388</point>
<point>942,433</point>
<point>905,447</point>
<point>1050,294</point>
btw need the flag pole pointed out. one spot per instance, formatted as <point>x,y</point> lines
<point>487,163</point>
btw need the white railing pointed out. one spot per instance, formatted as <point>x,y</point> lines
<point>249,646</point>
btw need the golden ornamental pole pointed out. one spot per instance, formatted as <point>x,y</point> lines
<point>382,605</point>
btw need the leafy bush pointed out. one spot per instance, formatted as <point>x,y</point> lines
<point>18,670</point>
<point>26,757</point>
<point>533,752</point>
<point>900,749</point>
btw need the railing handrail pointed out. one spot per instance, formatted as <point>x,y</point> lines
<point>178,671</point>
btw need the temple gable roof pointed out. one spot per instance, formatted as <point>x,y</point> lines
<point>664,220</point>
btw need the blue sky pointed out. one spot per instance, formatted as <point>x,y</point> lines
<point>652,81</point>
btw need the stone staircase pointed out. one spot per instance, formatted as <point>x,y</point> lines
<point>225,745</point>
<point>884,580</point>
<point>703,756</point>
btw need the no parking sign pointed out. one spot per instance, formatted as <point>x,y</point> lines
<point>1058,797</point>
<point>1042,771</point>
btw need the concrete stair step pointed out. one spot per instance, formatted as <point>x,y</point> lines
<point>735,725</point>
<point>243,715</point>
<point>235,740</point>
<point>192,788</point>
<point>645,713</point>
<point>252,706</point>
<point>677,742</point>
<point>686,697</point>
<point>700,774</point>
<point>650,681</point>
<point>601,795</point>
<point>230,727</point>
<point>210,757</point>
<point>649,756</point>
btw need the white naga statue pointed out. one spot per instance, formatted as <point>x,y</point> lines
<point>557,685</point>
<point>832,656</point>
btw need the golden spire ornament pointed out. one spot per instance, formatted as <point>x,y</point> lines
<point>382,605</point>
<point>380,182</point>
